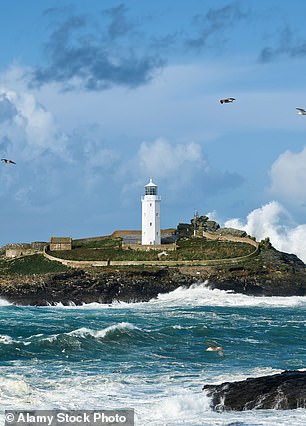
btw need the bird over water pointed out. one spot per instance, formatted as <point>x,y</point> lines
<point>214,347</point>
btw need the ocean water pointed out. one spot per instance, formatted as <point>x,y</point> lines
<point>150,356</point>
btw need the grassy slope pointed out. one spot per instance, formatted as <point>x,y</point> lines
<point>29,265</point>
<point>191,249</point>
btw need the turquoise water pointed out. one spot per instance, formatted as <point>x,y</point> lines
<point>150,356</point>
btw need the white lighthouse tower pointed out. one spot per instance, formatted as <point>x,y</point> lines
<point>150,215</point>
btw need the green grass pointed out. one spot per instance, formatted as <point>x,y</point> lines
<point>203,249</point>
<point>187,249</point>
<point>101,243</point>
<point>30,265</point>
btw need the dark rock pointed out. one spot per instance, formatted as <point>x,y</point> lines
<point>210,226</point>
<point>103,286</point>
<point>271,273</point>
<point>279,391</point>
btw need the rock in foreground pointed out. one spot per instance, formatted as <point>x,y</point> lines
<point>280,391</point>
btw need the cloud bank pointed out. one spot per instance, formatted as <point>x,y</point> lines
<point>273,221</point>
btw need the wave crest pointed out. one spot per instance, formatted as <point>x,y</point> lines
<point>100,334</point>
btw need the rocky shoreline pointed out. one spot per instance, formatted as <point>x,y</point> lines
<point>271,273</point>
<point>278,391</point>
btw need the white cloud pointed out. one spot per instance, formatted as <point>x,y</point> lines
<point>29,129</point>
<point>181,169</point>
<point>288,176</point>
<point>273,221</point>
<point>166,160</point>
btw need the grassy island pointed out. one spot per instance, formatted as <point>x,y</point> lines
<point>200,242</point>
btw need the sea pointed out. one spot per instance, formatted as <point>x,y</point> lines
<point>151,357</point>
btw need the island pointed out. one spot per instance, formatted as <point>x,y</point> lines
<point>112,268</point>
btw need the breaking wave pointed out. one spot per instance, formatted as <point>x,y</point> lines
<point>199,295</point>
<point>99,334</point>
<point>202,295</point>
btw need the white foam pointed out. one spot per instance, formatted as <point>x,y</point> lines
<point>51,338</point>
<point>189,327</point>
<point>98,334</point>
<point>92,305</point>
<point>4,302</point>
<point>199,295</point>
<point>15,392</point>
<point>238,376</point>
<point>5,340</point>
<point>202,295</point>
<point>186,406</point>
<point>13,386</point>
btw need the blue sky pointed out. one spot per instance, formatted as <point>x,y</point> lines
<point>96,96</point>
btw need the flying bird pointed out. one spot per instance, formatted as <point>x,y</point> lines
<point>6,161</point>
<point>301,111</point>
<point>214,347</point>
<point>227,100</point>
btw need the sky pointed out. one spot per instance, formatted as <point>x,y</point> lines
<point>97,96</point>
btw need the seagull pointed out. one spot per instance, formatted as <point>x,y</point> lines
<point>214,347</point>
<point>6,161</point>
<point>227,100</point>
<point>301,111</point>
<point>162,253</point>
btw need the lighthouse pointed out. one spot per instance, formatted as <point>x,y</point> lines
<point>150,215</point>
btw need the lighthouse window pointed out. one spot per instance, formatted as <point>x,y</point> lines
<point>156,214</point>
<point>151,190</point>
<point>150,223</point>
<point>150,204</point>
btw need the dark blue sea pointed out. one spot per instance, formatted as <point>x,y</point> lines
<point>150,356</point>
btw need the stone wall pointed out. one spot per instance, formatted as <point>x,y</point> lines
<point>76,263</point>
<point>148,247</point>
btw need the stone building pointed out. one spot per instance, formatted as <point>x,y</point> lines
<point>17,250</point>
<point>60,243</point>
